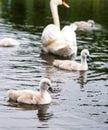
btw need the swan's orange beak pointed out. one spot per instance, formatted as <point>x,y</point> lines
<point>65,4</point>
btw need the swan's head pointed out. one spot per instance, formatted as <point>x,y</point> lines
<point>60,2</point>
<point>65,3</point>
<point>45,84</point>
<point>85,53</point>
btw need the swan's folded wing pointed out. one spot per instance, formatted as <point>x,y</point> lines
<point>67,64</point>
<point>68,33</point>
<point>26,99</point>
<point>58,63</point>
<point>50,33</point>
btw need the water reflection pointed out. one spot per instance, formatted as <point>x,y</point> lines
<point>82,78</point>
<point>43,114</point>
<point>28,14</point>
<point>79,95</point>
<point>9,3</point>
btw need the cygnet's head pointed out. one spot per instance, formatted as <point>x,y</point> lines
<point>60,2</point>
<point>85,53</point>
<point>45,84</point>
<point>91,22</point>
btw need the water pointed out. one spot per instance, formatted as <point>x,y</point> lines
<point>80,100</point>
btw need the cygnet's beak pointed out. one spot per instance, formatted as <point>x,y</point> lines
<point>89,57</point>
<point>65,4</point>
<point>50,89</point>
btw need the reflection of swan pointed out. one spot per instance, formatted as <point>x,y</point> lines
<point>62,43</point>
<point>41,110</point>
<point>82,79</point>
<point>8,42</point>
<point>85,25</point>
<point>43,113</point>
<point>32,97</point>
<point>73,65</point>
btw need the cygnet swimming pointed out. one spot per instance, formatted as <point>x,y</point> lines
<point>8,42</point>
<point>33,97</point>
<point>86,26</point>
<point>73,65</point>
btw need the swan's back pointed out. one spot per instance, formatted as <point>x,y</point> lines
<point>67,64</point>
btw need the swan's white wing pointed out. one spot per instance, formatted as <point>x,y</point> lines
<point>58,42</point>
<point>68,33</point>
<point>50,33</point>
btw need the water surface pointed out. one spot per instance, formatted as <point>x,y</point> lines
<point>80,100</point>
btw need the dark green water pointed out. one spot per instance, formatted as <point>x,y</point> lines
<point>81,99</point>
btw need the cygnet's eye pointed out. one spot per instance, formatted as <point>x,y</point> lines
<point>48,84</point>
<point>86,54</point>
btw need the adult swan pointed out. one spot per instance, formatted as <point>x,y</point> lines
<point>56,41</point>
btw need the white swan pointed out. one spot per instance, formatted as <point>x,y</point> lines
<point>32,97</point>
<point>8,42</point>
<point>86,26</point>
<point>73,65</point>
<point>56,41</point>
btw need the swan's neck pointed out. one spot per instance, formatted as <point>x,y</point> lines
<point>84,65</point>
<point>43,91</point>
<point>54,11</point>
